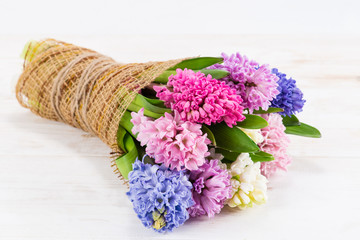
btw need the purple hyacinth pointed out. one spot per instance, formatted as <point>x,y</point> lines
<point>211,187</point>
<point>160,197</point>
<point>255,83</point>
<point>290,97</point>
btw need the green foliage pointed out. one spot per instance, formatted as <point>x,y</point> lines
<point>141,101</point>
<point>120,137</point>
<point>155,101</point>
<point>197,63</point>
<point>125,122</point>
<point>303,130</point>
<point>210,135</point>
<point>253,122</point>
<point>133,107</point>
<point>228,155</point>
<point>232,139</point>
<point>291,121</point>
<point>261,157</point>
<point>255,157</point>
<point>270,110</point>
<point>215,73</point>
<point>124,162</point>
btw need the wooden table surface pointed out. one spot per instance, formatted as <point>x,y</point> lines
<point>56,181</point>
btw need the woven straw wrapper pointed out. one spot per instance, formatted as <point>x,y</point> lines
<point>81,87</point>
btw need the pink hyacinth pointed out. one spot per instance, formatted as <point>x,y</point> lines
<point>256,84</point>
<point>211,187</point>
<point>275,142</point>
<point>172,141</point>
<point>201,99</point>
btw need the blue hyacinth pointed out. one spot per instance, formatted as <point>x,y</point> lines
<point>290,97</point>
<point>159,196</point>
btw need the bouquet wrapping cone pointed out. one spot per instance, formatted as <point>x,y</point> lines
<point>81,87</point>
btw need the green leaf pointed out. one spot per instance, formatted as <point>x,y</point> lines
<point>303,130</point>
<point>142,102</point>
<point>156,102</point>
<point>255,157</point>
<point>232,139</point>
<point>210,135</point>
<point>228,156</point>
<point>141,150</point>
<point>120,137</point>
<point>253,122</point>
<point>270,110</point>
<point>261,157</point>
<point>164,77</point>
<point>124,162</point>
<point>125,122</point>
<point>215,73</point>
<point>197,63</point>
<point>135,108</point>
<point>290,121</point>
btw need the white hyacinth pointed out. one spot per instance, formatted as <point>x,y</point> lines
<point>248,185</point>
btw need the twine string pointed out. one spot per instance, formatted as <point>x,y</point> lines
<point>83,88</point>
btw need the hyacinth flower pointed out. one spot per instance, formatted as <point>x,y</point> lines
<point>275,142</point>
<point>160,197</point>
<point>211,188</point>
<point>255,83</point>
<point>290,97</point>
<point>248,184</point>
<point>169,140</point>
<point>201,99</point>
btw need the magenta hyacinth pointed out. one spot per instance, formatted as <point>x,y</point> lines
<point>211,187</point>
<point>275,142</point>
<point>256,84</point>
<point>176,143</point>
<point>201,99</point>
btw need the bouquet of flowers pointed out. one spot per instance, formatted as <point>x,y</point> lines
<point>189,136</point>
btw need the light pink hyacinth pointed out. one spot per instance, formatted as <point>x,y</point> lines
<point>211,187</point>
<point>172,141</point>
<point>275,142</point>
<point>201,99</point>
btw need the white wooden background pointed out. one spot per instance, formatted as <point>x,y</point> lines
<point>56,182</point>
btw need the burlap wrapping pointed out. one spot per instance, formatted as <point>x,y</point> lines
<point>81,87</point>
